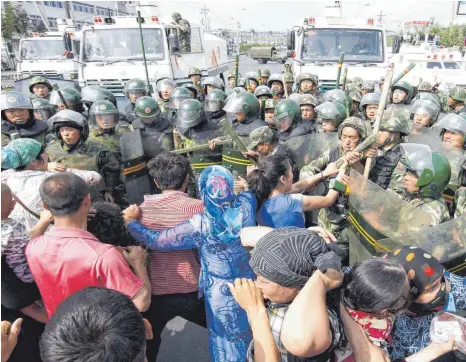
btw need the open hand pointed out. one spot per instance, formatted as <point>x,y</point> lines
<point>248,296</point>
<point>56,167</point>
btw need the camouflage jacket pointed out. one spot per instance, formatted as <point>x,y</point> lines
<point>334,218</point>
<point>184,35</point>
<point>110,140</point>
<point>436,209</point>
<point>89,155</point>
<point>397,184</point>
<point>460,202</point>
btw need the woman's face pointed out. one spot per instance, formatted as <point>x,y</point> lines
<point>70,135</point>
<point>17,115</point>
<point>430,293</point>
<point>275,292</point>
<point>287,180</point>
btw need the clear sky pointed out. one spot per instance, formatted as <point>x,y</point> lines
<point>281,15</point>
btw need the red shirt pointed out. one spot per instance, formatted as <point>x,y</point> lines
<point>177,271</point>
<point>66,260</point>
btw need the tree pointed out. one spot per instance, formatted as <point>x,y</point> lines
<point>39,28</point>
<point>14,21</point>
<point>8,22</point>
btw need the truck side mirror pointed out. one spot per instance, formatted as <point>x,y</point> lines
<point>173,42</point>
<point>290,40</point>
<point>67,42</point>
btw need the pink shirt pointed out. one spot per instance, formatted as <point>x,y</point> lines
<point>66,260</point>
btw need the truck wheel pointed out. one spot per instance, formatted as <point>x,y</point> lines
<point>264,61</point>
<point>259,61</point>
<point>283,61</point>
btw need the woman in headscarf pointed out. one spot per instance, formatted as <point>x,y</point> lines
<point>295,269</point>
<point>432,289</point>
<point>215,233</point>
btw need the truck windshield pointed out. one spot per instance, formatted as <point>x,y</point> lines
<point>359,45</point>
<point>42,49</point>
<point>122,44</point>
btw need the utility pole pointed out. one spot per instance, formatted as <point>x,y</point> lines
<point>67,9</point>
<point>204,12</point>
<point>44,18</point>
<point>238,25</point>
<point>380,17</point>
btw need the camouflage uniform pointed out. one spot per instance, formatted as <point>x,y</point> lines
<point>460,202</point>
<point>436,209</point>
<point>89,155</point>
<point>184,35</point>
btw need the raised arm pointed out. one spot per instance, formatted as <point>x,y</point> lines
<point>311,203</point>
<point>181,237</point>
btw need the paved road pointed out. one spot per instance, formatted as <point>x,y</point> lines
<point>183,341</point>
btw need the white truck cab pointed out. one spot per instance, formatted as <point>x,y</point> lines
<point>111,51</point>
<point>47,54</point>
<point>316,43</point>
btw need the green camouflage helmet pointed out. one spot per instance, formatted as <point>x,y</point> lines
<point>135,84</point>
<point>109,95</point>
<point>455,123</point>
<point>368,86</point>
<point>93,93</point>
<point>43,110</point>
<point>270,104</point>
<point>260,135</point>
<point>424,87</point>
<point>148,110</point>
<point>395,124</point>
<point>333,111</point>
<point>263,91</point>
<point>177,96</point>
<point>232,75</point>
<point>214,101</point>
<point>287,112</point>
<point>308,76</point>
<point>431,168</point>
<point>39,80</point>
<point>358,81</point>
<point>194,71</point>
<point>189,115</point>
<point>176,16</point>
<point>457,94</point>
<point>275,77</point>
<point>427,96</point>
<point>13,99</point>
<point>243,102</point>
<point>405,86</point>
<point>355,123</point>
<point>69,118</point>
<point>106,112</point>
<point>69,94</point>
<point>369,99</point>
<point>308,100</point>
<point>355,96</point>
<point>288,77</point>
<point>334,95</point>
<point>265,72</point>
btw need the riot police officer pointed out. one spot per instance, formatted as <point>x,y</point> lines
<point>72,98</point>
<point>402,92</point>
<point>164,89</point>
<point>288,120</point>
<point>43,110</point>
<point>252,81</point>
<point>369,106</point>
<point>18,119</point>
<point>265,75</point>
<point>177,96</point>
<point>330,115</point>
<point>40,87</point>
<point>453,130</point>
<point>213,106</point>
<point>231,78</point>
<point>195,75</point>
<point>308,103</point>
<point>275,83</point>
<point>134,89</point>
<point>456,99</point>
<point>424,113</point>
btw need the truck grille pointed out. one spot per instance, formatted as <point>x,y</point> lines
<point>116,86</point>
<point>326,85</point>
<point>51,74</point>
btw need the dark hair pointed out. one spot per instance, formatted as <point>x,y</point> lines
<point>63,193</point>
<point>169,170</point>
<point>94,324</point>
<point>264,179</point>
<point>108,225</point>
<point>375,285</point>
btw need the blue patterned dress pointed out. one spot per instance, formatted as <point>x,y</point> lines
<point>411,334</point>
<point>215,233</point>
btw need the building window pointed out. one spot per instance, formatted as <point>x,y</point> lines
<point>84,8</point>
<point>54,4</point>
<point>35,20</point>
<point>104,11</point>
<point>53,23</point>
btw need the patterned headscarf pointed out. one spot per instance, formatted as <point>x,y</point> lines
<point>422,268</point>
<point>217,192</point>
<point>20,152</point>
<point>288,256</point>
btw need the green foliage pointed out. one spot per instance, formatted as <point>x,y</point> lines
<point>14,21</point>
<point>450,36</point>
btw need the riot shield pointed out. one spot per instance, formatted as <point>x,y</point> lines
<point>153,143</point>
<point>134,168</point>
<point>23,84</point>
<point>201,159</point>
<point>432,138</point>
<point>308,147</point>
<point>377,214</point>
<point>446,242</point>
